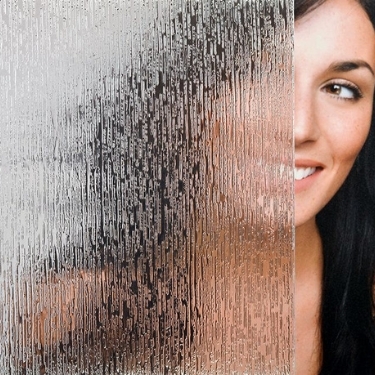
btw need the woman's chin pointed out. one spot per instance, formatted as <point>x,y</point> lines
<point>302,220</point>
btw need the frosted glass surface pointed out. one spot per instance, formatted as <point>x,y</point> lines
<point>146,187</point>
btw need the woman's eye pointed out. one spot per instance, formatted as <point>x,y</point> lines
<point>343,91</point>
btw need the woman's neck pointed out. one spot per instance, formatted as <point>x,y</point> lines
<point>308,250</point>
<point>308,285</point>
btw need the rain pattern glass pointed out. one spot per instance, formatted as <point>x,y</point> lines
<point>146,201</point>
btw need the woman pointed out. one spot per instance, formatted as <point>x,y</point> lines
<point>334,160</point>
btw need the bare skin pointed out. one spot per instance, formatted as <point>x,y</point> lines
<point>308,283</point>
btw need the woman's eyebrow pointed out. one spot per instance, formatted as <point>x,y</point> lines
<point>346,66</point>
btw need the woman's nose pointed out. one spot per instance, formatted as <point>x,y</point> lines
<point>306,122</point>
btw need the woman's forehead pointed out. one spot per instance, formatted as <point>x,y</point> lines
<point>338,30</point>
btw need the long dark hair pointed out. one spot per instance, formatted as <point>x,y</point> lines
<point>347,227</point>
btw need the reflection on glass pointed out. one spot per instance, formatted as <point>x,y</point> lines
<point>146,187</point>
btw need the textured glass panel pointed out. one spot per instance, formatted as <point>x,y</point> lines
<point>146,187</point>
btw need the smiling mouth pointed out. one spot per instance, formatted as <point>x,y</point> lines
<point>301,173</point>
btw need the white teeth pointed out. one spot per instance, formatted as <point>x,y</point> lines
<point>301,173</point>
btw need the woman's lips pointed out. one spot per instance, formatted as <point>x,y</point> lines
<point>305,176</point>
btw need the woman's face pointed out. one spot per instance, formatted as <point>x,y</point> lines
<point>334,84</point>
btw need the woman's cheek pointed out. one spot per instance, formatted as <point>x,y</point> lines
<point>348,137</point>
